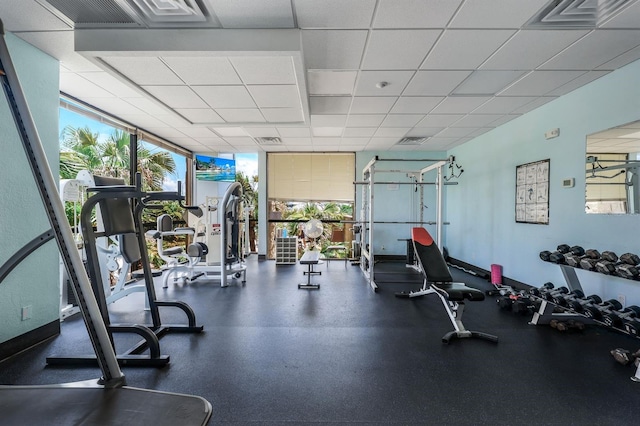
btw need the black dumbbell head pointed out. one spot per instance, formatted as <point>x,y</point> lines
<point>610,256</point>
<point>592,254</point>
<point>577,250</point>
<point>605,267</point>
<point>572,260</point>
<point>563,248</point>
<point>544,255</point>
<point>630,258</point>
<point>588,264</point>
<point>556,257</point>
<point>628,271</point>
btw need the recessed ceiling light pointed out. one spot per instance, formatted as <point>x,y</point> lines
<point>382,84</point>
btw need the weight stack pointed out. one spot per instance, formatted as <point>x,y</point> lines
<point>496,274</point>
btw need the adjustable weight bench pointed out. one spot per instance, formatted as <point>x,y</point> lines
<point>437,280</point>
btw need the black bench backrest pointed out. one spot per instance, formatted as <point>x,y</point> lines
<point>428,254</point>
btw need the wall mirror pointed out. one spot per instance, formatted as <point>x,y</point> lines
<point>612,167</point>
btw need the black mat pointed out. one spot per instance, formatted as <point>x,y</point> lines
<point>272,354</point>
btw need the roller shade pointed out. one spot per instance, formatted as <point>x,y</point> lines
<point>311,176</point>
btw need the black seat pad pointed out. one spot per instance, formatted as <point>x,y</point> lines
<point>458,291</point>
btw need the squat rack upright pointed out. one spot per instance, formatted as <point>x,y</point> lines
<point>367,220</point>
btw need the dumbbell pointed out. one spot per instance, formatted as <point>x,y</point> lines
<point>628,267</point>
<point>564,299</point>
<point>542,289</point>
<point>618,318</point>
<point>574,259</point>
<point>632,326</point>
<point>578,305</point>
<point>607,263</point>
<point>558,255</point>
<point>552,294</point>
<point>598,311</point>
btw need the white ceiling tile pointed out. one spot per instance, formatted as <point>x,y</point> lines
<point>116,106</point>
<point>504,104</point>
<point>435,83</point>
<point>166,132</point>
<point>594,50</point>
<point>229,131</point>
<point>454,51</point>
<point>176,96</point>
<point>244,115</point>
<point>440,120</point>
<point>145,121</point>
<point>200,115</point>
<point>477,120</point>
<point>334,13</point>
<point>58,44</point>
<point>402,120</point>
<point>622,60</point>
<point>335,49</point>
<point>438,143</point>
<point>381,143</point>
<point>328,120</point>
<point>80,87</point>
<point>578,82</point>
<point>455,132</point>
<point>398,49</point>
<point>393,83</point>
<point>296,141</point>
<point>496,13</point>
<point>203,70</point>
<point>629,18</point>
<point>415,104</point>
<point>528,49</point>
<point>504,119</point>
<point>145,71</point>
<point>30,16</point>
<point>460,104</point>
<point>240,141</point>
<point>264,13</point>
<point>331,82</point>
<point>225,96</point>
<point>294,132</point>
<point>172,119</point>
<point>148,105</point>
<point>372,105</point>
<point>487,82</point>
<point>263,132</point>
<point>213,141</point>
<point>372,120</point>
<point>390,132</point>
<point>424,131</point>
<point>111,84</point>
<point>276,96</point>
<point>327,131</point>
<point>533,105</point>
<point>329,104</point>
<point>326,141</point>
<point>415,13</point>
<point>354,141</point>
<point>264,69</point>
<point>359,132</point>
<point>197,131</point>
<point>539,83</point>
<point>283,115</point>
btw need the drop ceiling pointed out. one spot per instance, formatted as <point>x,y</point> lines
<point>324,75</point>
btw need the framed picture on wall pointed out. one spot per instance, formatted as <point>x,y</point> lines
<point>532,192</point>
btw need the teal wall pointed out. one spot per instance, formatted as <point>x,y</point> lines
<point>482,208</point>
<point>35,282</point>
<point>401,203</point>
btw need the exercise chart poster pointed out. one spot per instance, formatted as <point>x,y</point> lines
<point>532,192</point>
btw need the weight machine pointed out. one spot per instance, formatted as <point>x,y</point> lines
<point>99,401</point>
<point>217,249</point>
<point>367,219</point>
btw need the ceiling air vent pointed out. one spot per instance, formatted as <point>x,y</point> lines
<point>412,140</point>
<point>91,12</point>
<point>169,11</point>
<point>268,141</point>
<point>577,13</point>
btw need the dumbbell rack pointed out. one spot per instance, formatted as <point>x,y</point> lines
<point>545,313</point>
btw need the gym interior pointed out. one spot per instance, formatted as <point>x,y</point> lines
<point>458,115</point>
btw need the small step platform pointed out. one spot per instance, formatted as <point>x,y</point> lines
<point>310,258</point>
